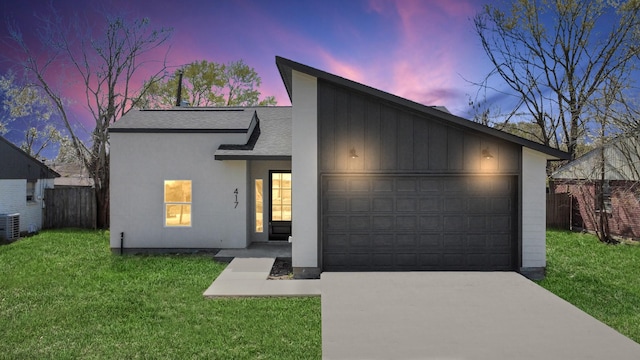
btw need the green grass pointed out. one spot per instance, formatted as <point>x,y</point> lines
<point>602,280</point>
<point>63,295</point>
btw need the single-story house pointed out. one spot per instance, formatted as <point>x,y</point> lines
<point>619,162</point>
<point>361,180</point>
<point>22,183</point>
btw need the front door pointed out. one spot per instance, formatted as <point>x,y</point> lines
<point>280,207</point>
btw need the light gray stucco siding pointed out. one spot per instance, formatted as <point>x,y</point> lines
<point>140,162</point>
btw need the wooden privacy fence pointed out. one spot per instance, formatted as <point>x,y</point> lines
<point>559,210</point>
<point>70,207</point>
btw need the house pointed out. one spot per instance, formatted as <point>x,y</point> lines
<point>22,183</point>
<point>618,164</point>
<point>362,180</point>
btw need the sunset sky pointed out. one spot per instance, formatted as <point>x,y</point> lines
<point>426,51</point>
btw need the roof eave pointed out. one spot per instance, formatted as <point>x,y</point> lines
<point>285,67</point>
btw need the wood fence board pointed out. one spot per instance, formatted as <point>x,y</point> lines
<point>70,207</point>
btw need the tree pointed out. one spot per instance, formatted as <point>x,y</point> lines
<point>26,104</point>
<point>558,56</point>
<point>209,84</point>
<point>105,63</point>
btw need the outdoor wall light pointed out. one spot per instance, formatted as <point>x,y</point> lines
<point>352,153</point>
<point>486,154</point>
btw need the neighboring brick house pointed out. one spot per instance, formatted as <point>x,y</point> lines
<point>620,190</point>
<point>22,183</point>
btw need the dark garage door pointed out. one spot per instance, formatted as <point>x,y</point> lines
<point>396,223</point>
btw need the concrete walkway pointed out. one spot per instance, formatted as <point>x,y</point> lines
<point>247,277</point>
<point>458,315</point>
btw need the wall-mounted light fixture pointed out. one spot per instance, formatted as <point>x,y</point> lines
<point>486,154</point>
<point>352,153</point>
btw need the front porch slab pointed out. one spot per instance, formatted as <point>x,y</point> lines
<point>247,277</point>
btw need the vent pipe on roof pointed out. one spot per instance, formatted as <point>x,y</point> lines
<point>179,94</point>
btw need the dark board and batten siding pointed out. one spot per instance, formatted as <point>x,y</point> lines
<point>410,199</point>
<point>387,139</point>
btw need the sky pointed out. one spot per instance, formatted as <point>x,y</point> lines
<point>423,50</point>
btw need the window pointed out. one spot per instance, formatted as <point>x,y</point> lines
<point>259,212</point>
<point>281,196</point>
<point>177,203</point>
<point>31,190</point>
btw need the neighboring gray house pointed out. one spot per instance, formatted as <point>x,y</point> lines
<point>365,180</point>
<point>22,183</point>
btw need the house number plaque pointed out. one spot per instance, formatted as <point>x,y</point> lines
<point>236,202</point>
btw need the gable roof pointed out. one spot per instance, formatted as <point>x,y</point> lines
<point>286,66</point>
<point>17,164</point>
<point>621,162</point>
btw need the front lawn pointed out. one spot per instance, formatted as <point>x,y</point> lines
<point>602,280</point>
<point>63,295</point>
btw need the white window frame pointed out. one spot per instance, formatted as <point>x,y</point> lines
<point>168,203</point>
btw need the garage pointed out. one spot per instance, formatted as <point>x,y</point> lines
<point>426,222</point>
<point>383,183</point>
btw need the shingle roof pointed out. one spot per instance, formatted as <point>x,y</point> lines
<point>186,119</point>
<point>286,66</point>
<point>270,140</point>
<point>17,164</point>
<point>274,142</point>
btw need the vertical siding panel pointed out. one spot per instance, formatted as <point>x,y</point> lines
<point>356,132</point>
<point>388,139</point>
<point>326,131</point>
<point>341,130</point>
<point>421,144</point>
<point>455,149</point>
<point>471,153</point>
<point>509,155</point>
<point>405,141</point>
<point>438,154</point>
<point>372,136</point>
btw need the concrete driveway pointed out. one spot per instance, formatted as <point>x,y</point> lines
<point>457,315</point>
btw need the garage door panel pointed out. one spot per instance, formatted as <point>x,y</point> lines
<point>382,185</point>
<point>407,260</point>
<point>335,205</point>
<point>406,241</point>
<point>406,223</point>
<point>360,204</point>
<point>430,223</point>
<point>359,185</point>
<point>430,204</point>
<point>382,204</point>
<point>389,223</point>
<point>337,223</point>
<point>430,185</point>
<point>357,223</point>
<point>381,222</point>
<point>454,204</point>
<point>453,223</point>
<point>407,205</point>
<point>382,242</point>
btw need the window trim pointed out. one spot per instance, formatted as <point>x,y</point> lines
<point>166,203</point>
<point>31,195</point>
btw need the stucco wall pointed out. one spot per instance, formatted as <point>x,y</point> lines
<point>304,173</point>
<point>140,162</point>
<point>533,209</point>
<point>13,199</point>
